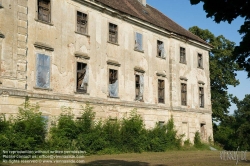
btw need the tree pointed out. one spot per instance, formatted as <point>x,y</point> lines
<point>228,10</point>
<point>222,71</point>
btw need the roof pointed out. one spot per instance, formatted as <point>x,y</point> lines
<point>150,15</point>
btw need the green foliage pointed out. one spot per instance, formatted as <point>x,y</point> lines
<point>197,142</point>
<point>228,11</point>
<point>222,71</point>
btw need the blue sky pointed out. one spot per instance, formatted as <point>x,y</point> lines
<point>187,15</point>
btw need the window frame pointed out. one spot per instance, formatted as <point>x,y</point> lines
<point>184,93</point>
<point>135,39</point>
<point>50,13</point>
<point>200,65</point>
<point>183,54</point>
<point>116,33</point>
<point>78,90</point>
<point>138,89</point>
<point>36,74</point>
<point>162,90</point>
<point>87,22</point>
<point>159,42</point>
<point>117,75</point>
<point>201,97</point>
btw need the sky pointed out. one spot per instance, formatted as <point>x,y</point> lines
<point>187,15</point>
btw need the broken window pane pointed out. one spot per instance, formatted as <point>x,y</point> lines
<point>43,71</point>
<point>82,76</point>
<point>200,65</point>
<point>113,33</point>
<point>139,87</point>
<point>138,41</point>
<point>160,49</point>
<point>183,94</point>
<point>113,83</point>
<point>81,22</point>
<point>201,95</point>
<point>44,10</point>
<point>161,87</point>
<point>182,55</point>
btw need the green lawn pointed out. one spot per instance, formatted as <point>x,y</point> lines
<point>170,158</point>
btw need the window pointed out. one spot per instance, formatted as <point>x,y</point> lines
<point>82,77</point>
<point>201,95</point>
<point>161,124</point>
<point>81,22</point>
<point>161,87</point>
<point>202,131</point>
<point>200,64</point>
<point>43,71</point>
<point>160,49</point>
<point>113,83</point>
<point>183,94</point>
<point>138,42</point>
<point>139,84</point>
<point>44,12</point>
<point>113,33</point>
<point>182,55</point>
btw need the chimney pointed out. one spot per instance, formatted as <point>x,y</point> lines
<point>143,2</point>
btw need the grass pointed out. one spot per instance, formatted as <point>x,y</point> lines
<point>169,158</point>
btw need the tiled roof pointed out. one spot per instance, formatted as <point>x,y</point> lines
<point>150,15</point>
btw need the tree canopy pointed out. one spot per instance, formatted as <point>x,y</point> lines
<point>228,10</point>
<point>222,71</point>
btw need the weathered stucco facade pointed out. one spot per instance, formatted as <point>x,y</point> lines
<point>24,38</point>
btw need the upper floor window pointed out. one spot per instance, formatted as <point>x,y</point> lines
<point>113,33</point>
<point>113,83</point>
<point>82,77</point>
<point>82,22</point>
<point>201,97</point>
<point>138,41</point>
<point>160,49</point>
<point>182,55</point>
<point>44,12</point>
<point>139,87</point>
<point>183,94</point>
<point>42,71</point>
<point>161,91</point>
<point>200,64</point>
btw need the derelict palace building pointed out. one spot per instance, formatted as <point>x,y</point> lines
<point>115,54</point>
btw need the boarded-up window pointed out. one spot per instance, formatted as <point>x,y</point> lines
<point>113,83</point>
<point>139,87</point>
<point>44,12</point>
<point>160,49</point>
<point>113,33</point>
<point>161,87</point>
<point>200,64</point>
<point>183,94</point>
<point>182,55</point>
<point>138,42</point>
<point>43,71</point>
<point>201,96</point>
<point>82,76</point>
<point>81,22</point>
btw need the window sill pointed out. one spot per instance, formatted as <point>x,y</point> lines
<point>200,68</point>
<point>161,103</point>
<point>36,87</point>
<point>183,63</point>
<point>139,100</point>
<point>160,57</point>
<point>113,97</point>
<point>141,51</point>
<point>113,43</point>
<point>44,22</point>
<point>84,34</point>
<point>82,93</point>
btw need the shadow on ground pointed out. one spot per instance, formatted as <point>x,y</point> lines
<point>117,163</point>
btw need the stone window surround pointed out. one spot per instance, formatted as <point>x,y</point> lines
<point>161,76</point>
<point>183,80</point>
<point>87,13</point>
<point>41,48</point>
<point>117,35</point>
<point>41,21</point>
<point>82,58</point>
<point>140,32</point>
<point>201,84</point>
<point>139,71</point>
<point>202,60</point>
<point>114,65</point>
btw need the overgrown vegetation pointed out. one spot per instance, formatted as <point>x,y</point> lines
<point>29,131</point>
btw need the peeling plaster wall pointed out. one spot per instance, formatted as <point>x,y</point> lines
<point>60,35</point>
